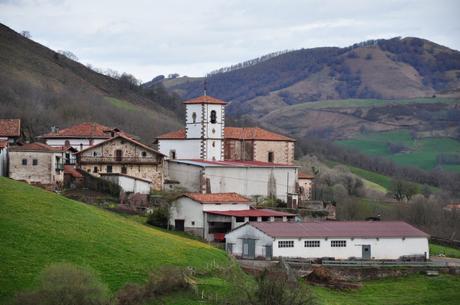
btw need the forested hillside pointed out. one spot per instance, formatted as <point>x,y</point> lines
<point>44,88</point>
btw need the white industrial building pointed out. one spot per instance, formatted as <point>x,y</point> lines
<point>248,178</point>
<point>337,239</point>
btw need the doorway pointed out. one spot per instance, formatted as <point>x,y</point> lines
<point>366,249</point>
<point>249,248</point>
<point>179,225</point>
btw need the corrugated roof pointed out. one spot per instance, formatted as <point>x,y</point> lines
<point>372,229</point>
<point>205,99</point>
<point>10,127</point>
<point>251,213</point>
<point>218,198</point>
<point>235,133</point>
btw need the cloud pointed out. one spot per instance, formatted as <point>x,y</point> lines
<point>148,38</point>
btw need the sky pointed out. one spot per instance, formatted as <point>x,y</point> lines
<point>193,37</point>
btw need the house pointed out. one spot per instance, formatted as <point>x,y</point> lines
<point>206,137</point>
<point>335,239</point>
<point>248,178</point>
<point>80,136</point>
<point>210,216</point>
<point>10,132</point>
<point>37,163</point>
<point>133,162</point>
<point>305,186</point>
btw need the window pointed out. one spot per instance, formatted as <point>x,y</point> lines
<point>193,223</point>
<point>338,243</point>
<point>265,218</point>
<point>312,243</point>
<point>34,162</point>
<point>95,169</point>
<point>94,154</point>
<point>194,117</point>
<point>109,168</point>
<point>66,143</point>
<point>24,161</point>
<point>213,117</point>
<point>172,154</point>
<point>285,244</point>
<point>213,143</point>
<point>271,156</point>
<point>118,155</point>
<point>144,154</point>
<point>252,218</point>
<point>124,170</point>
<point>239,219</point>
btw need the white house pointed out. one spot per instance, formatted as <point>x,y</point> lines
<point>210,216</point>
<point>338,239</point>
<point>248,178</point>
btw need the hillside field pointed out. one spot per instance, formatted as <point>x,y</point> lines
<point>38,228</point>
<point>422,153</point>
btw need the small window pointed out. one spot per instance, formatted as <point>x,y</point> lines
<point>265,218</point>
<point>338,243</point>
<point>34,162</point>
<point>118,155</point>
<point>285,244</point>
<point>213,117</point>
<point>213,143</point>
<point>172,154</point>
<point>193,223</point>
<point>94,154</point>
<point>144,154</point>
<point>312,243</point>
<point>124,170</point>
<point>239,219</point>
<point>109,168</point>
<point>194,117</point>
<point>271,156</point>
<point>252,218</point>
<point>66,143</point>
<point>95,169</point>
<point>24,161</point>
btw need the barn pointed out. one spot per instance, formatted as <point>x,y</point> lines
<point>335,239</point>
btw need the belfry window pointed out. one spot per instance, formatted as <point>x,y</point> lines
<point>194,117</point>
<point>213,117</point>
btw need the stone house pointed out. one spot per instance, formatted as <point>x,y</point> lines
<point>126,157</point>
<point>305,186</point>
<point>37,163</point>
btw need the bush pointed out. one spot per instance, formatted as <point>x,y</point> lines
<point>131,294</point>
<point>159,217</point>
<point>65,283</point>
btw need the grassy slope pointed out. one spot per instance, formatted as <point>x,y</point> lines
<point>413,290</point>
<point>423,151</point>
<point>447,251</point>
<point>38,228</point>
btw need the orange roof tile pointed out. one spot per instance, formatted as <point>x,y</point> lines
<point>84,130</point>
<point>305,176</point>
<point>235,133</point>
<point>218,198</point>
<point>205,99</point>
<point>10,127</point>
<point>36,146</point>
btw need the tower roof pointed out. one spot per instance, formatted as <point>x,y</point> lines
<point>205,99</point>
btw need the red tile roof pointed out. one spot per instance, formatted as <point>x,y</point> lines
<point>323,229</point>
<point>129,139</point>
<point>205,99</point>
<point>251,213</point>
<point>218,198</point>
<point>235,133</point>
<point>10,127</point>
<point>305,176</point>
<point>38,147</point>
<point>69,169</point>
<point>84,130</point>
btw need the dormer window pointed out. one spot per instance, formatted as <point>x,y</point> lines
<point>213,117</point>
<point>194,117</point>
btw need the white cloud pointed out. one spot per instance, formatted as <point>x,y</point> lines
<point>147,38</point>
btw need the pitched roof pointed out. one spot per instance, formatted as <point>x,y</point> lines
<point>70,170</point>
<point>344,229</point>
<point>36,146</point>
<point>89,130</point>
<point>218,198</point>
<point>251,213</point>
<point>232,163</point>
<point>129,139</point>
<point>235,133</point>
<point>10,127</point>
<point>305,176</point>
<point>205,99</point>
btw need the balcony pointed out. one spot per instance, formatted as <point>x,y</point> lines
<point>117,160</point>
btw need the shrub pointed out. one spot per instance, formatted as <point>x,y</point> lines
<point>167,279</point>
<point>159,217</point>
<point>64,283</point>
<point>131,294</point>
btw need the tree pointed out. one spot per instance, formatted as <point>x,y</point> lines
<point>26,34</point>
<point>401,189</point>
<point>68,54</point>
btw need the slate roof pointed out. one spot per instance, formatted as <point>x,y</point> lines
<point>339,229</point>
<point>251,213</point>
<point>218,198</point>
<point>205,99</point>
<point>235,133</point>
<point>10,127</point>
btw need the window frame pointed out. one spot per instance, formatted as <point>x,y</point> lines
<point>312,243</point>
<point>34,162</point>
<point>285,244</point>
<point>24,162</point>
<point>338,243</point>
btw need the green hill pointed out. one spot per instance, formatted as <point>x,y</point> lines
<point>38,228</point>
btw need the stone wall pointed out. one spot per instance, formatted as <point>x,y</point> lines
<point>43,172</point>
<point>283,151</point>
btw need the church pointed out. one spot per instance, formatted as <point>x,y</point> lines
<point>208,157</point>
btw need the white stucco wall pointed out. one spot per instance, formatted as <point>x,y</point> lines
<point>78,144</point>
<point>235,238</point>
<point>133,185</point>
<point>193,129</point>
<point>185,149</point>
<point>3,161</point>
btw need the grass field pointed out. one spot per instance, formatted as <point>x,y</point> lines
<point>38,228</point>
<point>422,154</point>
<point>447,251</point>
<point>411,290</point>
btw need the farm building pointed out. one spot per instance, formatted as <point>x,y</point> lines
<point>336,239</point>
<point>10,132</point>
<point>248,178</point>
<point>210,216</point>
